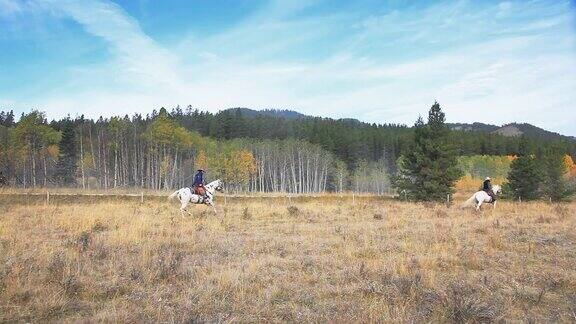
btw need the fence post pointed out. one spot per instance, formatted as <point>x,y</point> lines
<point>224,199</point>
<point>447,199</point>
<point>353,199</point>
<point>47,197</point>
<point>142,197</point>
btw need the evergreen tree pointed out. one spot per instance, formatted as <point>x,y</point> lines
<point>225,128</point>
<point>239,127</point>
<point>65,173</point>
<point>525,175</point>
<point>428,170</point>
<point>7,118</point>
<point>554,186</point>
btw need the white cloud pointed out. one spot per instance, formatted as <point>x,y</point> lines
<point>139,58</point>
<point>518,75</point>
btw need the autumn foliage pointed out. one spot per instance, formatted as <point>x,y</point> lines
<point>570,167</point>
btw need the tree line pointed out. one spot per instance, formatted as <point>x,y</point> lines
<point>255,152</point>
<point>154,152</point>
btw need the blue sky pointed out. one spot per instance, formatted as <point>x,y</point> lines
<point>378,61</point>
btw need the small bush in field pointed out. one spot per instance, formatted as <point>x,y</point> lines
<point>561,211</point>
<point>246,213</point>
<point>293,210</point>
<point>441,213</point>
<point>99,251</point>
<point>84,241</point>
<point>56,265</point>
<point>99,227</point>
<point>463,304</point>
<point>167,262</point>
<point>71,285</point>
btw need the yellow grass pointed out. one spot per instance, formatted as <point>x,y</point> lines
<point>264,260</point>
<point>164,192</point>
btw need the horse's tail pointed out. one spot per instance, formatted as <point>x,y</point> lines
<point>468,202</point>
<point>173,194</point>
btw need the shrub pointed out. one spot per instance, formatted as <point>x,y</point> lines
<point>293,210</point>
<point>246,213</point>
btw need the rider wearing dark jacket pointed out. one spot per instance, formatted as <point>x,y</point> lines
<point>487,187</point>
<point>199,182</point>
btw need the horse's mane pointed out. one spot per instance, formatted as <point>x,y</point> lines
<point>213,183</point>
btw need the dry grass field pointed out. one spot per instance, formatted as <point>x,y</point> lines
<point>267,260</point>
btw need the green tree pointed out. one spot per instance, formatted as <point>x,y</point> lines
<point>65,171</point>
<point>554,186</point>
<point>30,139</point>
<point>428,170</point>
<point>525,175</point>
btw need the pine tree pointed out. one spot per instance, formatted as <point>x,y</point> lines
<point>239,128</point>
<point>428,170</point>
<point>225,128</point>
<point>554,186</point>
<point>525,176</point>
<point>65,173</point>
<point>7,118</point>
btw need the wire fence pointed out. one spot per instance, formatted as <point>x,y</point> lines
<point>50,197</point>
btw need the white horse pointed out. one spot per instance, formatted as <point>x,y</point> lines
<point>186,196</point>
<point>481,197</point>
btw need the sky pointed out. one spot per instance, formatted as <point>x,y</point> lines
<point>378,61</point>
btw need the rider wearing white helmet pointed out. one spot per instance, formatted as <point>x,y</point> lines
<point>487,187</point>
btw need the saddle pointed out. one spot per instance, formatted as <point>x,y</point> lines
<point>492,195</point>
<point>199,190</point>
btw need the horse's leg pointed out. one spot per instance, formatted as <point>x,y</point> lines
<point>211,203</point>
<point>478,205</point>
<point>183,207</point>
<point>494,207</point>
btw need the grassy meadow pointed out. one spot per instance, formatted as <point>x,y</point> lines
<point>265,260</point>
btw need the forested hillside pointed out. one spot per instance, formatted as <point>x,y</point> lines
<point>251,150</point>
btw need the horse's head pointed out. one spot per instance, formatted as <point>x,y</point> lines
<point>219,188</point>
<point>497,189</point>
<point>217,185</point>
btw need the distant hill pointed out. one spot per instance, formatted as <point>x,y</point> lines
<point>475,127</point>
<point>509,130</point>
<point>280,113</point>
<point>516,129</point>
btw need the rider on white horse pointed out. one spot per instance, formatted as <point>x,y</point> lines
<point>186,196</point>
<point>487,187</point>
<point>486,195</point>
<point>198,184</point>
